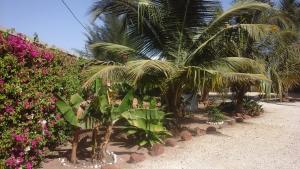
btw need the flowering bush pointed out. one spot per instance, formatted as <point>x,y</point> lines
<point>30,77</point>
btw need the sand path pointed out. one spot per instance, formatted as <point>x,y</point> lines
<point>271,141</point>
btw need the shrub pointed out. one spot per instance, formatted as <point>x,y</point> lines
<point>146,125</point>
<point>252,108</point>
<point>30,77</point>
<point>215,115</point>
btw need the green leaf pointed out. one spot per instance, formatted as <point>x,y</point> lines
<point>97,85</point>
<point>153,103</point>
<point>103,103</point>
<point>76,100</point>
<point>63,107</point>
<point>126,102</point>
<point>130,132</point>
<point>143,142</point>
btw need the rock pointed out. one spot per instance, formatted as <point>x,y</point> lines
<point>230,122</point>
<point>211,130</point>
<point>157,149</point>
<point>199,132</point>
<point>122,136</point>
<point>137,157</point>
<point>239,114</point>
<point>246,116</point>
<point>142,151</point>
<point>186,135</point>
<point>109,167</point>
<point>171,142</point>
<point>239,119</point>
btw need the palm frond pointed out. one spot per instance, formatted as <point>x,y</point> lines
<point>108,73</point>
<point>236,10</point>
<point>259,31</point>
<point>140,68</point>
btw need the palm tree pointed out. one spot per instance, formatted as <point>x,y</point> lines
<point>188,39</point>
<point>279,50</point>
<point>112,30</point>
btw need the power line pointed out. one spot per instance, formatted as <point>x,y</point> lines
<point>73,14</point>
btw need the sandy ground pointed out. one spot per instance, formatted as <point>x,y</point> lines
<point>271,141</point>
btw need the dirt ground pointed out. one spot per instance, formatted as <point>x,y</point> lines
<point>271,141</point>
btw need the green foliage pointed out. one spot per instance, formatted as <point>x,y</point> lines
<point>188,38</point>
<point>252,108</point>
<point>69,110</point>
<point>215,115</point>
<point>146,125</point>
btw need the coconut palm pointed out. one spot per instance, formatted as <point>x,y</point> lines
<point>112,30</point>
<point>278,50</point>
<point>188,39</point>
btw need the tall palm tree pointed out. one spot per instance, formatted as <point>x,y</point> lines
<point>113,29</point>
<point>188,39</point>
<point>279,50</point>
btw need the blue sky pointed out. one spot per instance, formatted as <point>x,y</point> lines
<point>50,20</point>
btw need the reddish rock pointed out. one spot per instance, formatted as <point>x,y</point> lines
<point>122,136</point>
<point>199,132</point>
<point>211,130</point>
<point>157,149</point>
<point>142,151</point>
<point>246,116</point>
<point>239,114</point>
<point>109,167</point>
<point>137,157</point>
<point>186,135</point>
<point>171,142</point>
<point>230,122</point>
<point>239,119</point>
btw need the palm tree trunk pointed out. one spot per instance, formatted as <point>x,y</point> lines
<point>239,91</point>
<point>173,100</point>
<point>94,142</point>
<point>75,145</point>
<point>104,144</point>
<point>204,96</point>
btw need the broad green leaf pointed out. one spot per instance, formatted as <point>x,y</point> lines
<point>103,103</point>
<point>153,103</point>
<point>126,102</point>
<point>71,118</point>
<point>76,100</point>
<point>63,107</point>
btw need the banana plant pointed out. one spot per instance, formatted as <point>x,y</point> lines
<point>102,109</point>
<point>146,124</point>
<point>92,114</point>
<point>74,113</point>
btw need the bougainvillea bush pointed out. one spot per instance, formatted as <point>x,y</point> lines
<point>30,77</point>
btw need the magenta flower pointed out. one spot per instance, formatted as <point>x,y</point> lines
<point>20,138</point>
<point>1,81</point>
<point>9,109</point>
<point>27,104</point>
<point>48,56</point>
<point>34,53</point>
<point>29,165</point>
<point>34,144</point>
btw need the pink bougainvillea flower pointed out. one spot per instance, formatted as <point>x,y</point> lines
<point>34,143</point>
<point>9,109</point>
<point>1,81</point>
<point>20,138</point>
<point>28,165</point>
<point>48,56</point>
<point>34,53</point>
<point>44,71</point>
<point>27,104</point>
